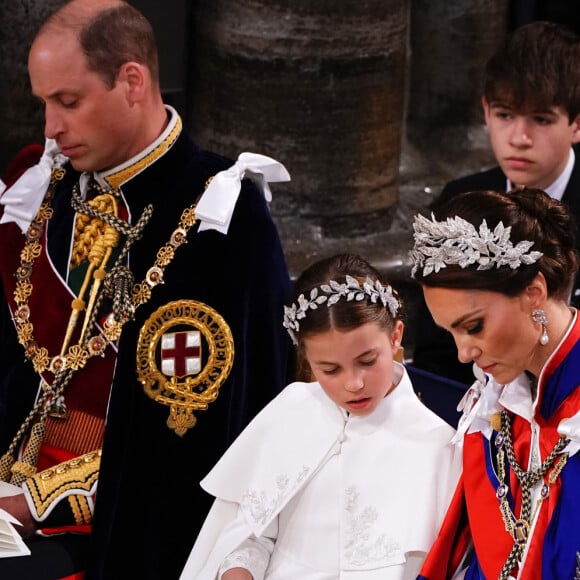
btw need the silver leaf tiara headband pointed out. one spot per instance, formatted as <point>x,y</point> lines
<point>456,241</point>
<point>331,293</point>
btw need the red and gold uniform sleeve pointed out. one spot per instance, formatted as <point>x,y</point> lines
<point>61,498</point>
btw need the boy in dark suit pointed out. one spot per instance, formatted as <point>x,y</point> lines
<point>531,103</point>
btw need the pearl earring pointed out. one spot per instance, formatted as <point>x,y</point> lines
<point>539,316</point>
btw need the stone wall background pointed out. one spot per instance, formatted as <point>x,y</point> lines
<point>372,105</point>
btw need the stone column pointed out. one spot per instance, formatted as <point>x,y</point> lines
<point>21,116</point>
<point>317,84</point>
<point>450,43</point>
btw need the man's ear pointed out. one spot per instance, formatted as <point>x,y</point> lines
<point>486,110</point>
<point>576,127</point>
<point>135,76</point>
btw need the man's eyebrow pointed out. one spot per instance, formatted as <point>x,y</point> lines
<point>55,95</point>
<point>539,111</point>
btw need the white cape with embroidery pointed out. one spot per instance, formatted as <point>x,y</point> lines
<point>340,496</point>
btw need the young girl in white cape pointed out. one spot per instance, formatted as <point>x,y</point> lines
<point>345,477</point>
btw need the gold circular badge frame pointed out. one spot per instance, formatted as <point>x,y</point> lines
<point>185,396</point>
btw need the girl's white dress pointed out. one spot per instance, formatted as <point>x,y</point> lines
<point>309,492</point>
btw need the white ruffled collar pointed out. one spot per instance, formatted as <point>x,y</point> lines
<point>487,397</point>
<point>23,198</point>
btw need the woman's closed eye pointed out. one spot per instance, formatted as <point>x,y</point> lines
<point>475,328</point>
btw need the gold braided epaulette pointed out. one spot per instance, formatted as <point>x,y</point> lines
<point>79,473</point>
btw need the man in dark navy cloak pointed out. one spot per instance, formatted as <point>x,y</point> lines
<point>143,288</point>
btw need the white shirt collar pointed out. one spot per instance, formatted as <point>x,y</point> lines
<point>557,189</point>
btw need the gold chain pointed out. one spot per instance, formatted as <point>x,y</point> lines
<point>65,364</point>
<point>77,355</point>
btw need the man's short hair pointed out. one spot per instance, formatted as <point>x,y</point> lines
<point>537,67</point>
<point>109,36</point>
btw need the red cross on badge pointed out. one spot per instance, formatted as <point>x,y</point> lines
<point>181,353</point>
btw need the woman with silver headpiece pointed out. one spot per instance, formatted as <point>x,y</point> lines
<point>496,271</point>
<point>346,476</point>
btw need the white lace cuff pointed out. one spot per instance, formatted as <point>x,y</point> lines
<point>253,554</point>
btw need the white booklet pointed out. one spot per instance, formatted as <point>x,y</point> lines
<point>11,543</point>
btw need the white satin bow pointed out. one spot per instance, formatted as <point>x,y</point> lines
<point>22,199</point>
<point>216,206</point>
<point>571,428</point>
<point>478,404</point>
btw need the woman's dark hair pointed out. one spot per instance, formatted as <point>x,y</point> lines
<point>533,216</point>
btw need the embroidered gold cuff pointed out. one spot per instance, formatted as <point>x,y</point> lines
<point>79,505</point>
<point>79,473</point>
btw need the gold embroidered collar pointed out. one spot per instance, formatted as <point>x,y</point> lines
<point>116,177</point>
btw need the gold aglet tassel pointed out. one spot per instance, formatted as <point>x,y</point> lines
<point>495,422</point>
<point>27,467</point>
<point>6,462</point>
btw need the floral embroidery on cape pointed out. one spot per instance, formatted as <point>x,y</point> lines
<point>261,508</point>
<point>362,546</point>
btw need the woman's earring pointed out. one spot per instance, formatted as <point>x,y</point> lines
<point>539,316</point>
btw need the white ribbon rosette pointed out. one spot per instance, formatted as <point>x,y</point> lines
<point>22,200</point>
<point>216,206</point>
<point>571,429</point>
<point>478,404</point>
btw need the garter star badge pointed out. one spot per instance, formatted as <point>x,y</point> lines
<point>184,354</point>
